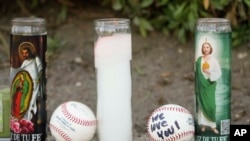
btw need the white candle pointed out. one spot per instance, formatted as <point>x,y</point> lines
<point>112,62</point>
<point>111,49</point>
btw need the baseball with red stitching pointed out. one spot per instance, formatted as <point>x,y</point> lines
<point>72,121</point>
<point>171,122</point>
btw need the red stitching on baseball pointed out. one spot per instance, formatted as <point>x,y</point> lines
<point>178,109</point>
<point>60,132</point>
<point>75,119</point>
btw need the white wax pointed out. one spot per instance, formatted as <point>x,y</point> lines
<point>112,48</point>
<point>112,58</point>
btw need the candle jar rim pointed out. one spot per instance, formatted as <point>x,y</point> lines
<point>213,20</point>
<point>109,26</point>
<point>28,20</point>
<point>213,25</point>
<point>28,26</point>
<point>111,21</point>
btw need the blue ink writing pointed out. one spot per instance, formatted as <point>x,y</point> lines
<point>162,127</point>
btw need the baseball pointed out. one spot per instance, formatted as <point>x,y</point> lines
<point>171,122</point>
<point>72,121</point>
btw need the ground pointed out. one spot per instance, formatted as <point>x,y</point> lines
<point>162,71</point>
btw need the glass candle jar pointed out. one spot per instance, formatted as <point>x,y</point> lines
<point>28,44</point>
<point>113,54</point>
<point>212,79</point>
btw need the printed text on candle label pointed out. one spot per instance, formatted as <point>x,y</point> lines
<point>25,137</point>
<point>208,138</point>
<point>162,127</point>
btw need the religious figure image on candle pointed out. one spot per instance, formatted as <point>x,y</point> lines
<point>31,64</point>
<point>21,92</point>
<point>207,72</point>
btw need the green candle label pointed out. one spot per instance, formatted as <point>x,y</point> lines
<point>5,113</point>
<point>212,85</point>
<point>28,92</point>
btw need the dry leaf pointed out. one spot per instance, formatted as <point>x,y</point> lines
<point>231,15</point>
<point>206,4</point>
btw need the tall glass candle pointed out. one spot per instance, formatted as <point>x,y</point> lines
<point>212,79</point>
<point>112,53</point>
<point>28,45</point>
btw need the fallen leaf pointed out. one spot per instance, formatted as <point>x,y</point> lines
<point>206,4</point>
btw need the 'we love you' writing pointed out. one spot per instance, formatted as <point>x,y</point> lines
<point>162,127</point>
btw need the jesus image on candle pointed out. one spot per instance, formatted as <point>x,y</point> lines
<point>207,72</point>
<point>30,63</point>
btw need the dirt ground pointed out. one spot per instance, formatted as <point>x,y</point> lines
<point>162,71</point>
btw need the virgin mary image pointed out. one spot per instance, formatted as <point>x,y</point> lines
<point>31,67</point>
<point>21,92</point>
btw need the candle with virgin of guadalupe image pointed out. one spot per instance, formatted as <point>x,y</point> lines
<point>28,44</point>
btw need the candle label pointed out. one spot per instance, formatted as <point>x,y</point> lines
<point>4,113</point>
<point>212,86</point>
<point>28,92</point>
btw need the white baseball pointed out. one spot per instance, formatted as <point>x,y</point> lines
<point>171,122</point>
<point>73,121</point>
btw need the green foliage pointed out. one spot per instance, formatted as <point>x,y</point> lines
<point>27,7</point>
<point>178,17</point>
<point>171,17</point>
<point>62,16</point>
<point>241,35</point>
<point>53,44</point>
<point>4,44</point>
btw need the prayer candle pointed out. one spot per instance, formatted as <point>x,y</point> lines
<point>28,45</point>
<point>112,63</point>
<point>212,79</point>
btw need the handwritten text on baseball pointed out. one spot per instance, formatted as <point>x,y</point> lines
<point>162,127</point>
